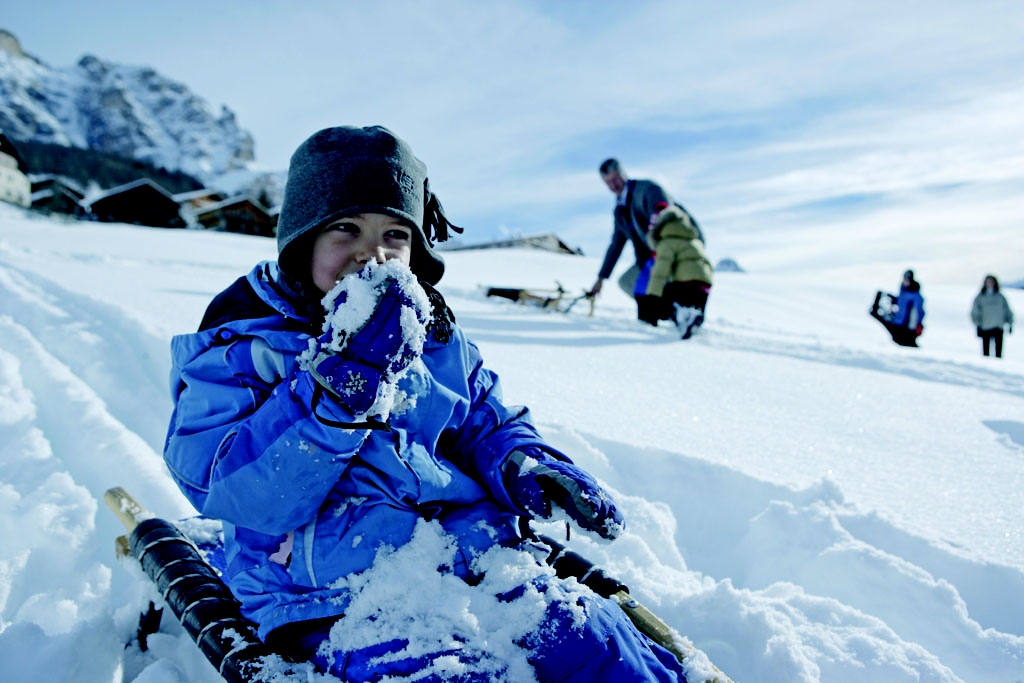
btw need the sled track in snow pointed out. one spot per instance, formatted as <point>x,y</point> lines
<point>62,446</point>
<point>99,343</point>
<point>908,363</point>
<point>100,411</point>
<point>617,327</point>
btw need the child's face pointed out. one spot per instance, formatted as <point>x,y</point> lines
<point>346,245</point>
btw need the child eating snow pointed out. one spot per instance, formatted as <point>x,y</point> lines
<point>333,414</point>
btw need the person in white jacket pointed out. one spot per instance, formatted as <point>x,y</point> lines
<point>990,314</point>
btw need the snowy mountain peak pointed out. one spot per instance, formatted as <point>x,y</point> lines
<point>130,111</point>
<point>9,43</point>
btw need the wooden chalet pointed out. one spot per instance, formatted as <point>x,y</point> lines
<point>141,202</point>
<point>14,184</point>
<point>241,214</point>
<point>198,199</point>
<point>56,194</point>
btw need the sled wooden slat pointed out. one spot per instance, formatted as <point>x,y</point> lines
<point>125,508</point>
<point>657,630</point>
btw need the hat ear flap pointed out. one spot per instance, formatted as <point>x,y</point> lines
<point>294,260</point>
<point>425,262</point>
<point>435,224</point>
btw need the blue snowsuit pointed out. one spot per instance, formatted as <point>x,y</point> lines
<point>305,502</point>
<point>910,312</point>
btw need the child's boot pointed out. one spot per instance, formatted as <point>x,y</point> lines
<point>687,319</point>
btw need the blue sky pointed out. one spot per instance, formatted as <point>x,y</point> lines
<point>802,114</point>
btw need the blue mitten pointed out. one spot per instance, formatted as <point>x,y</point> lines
<point>356,366</point>
<point>535,480</point>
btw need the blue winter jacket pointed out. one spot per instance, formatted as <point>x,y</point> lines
<point>306,503</point>
<point>910,308</point>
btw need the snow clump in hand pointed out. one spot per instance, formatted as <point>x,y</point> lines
<point>359,293</point>
<point>351,304</point>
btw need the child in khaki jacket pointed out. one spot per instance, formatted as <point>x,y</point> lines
<point>682,273</point>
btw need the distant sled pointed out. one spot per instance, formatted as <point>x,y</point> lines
<point>556,299</point>
<point>883,310</point>
<point>187,571</point>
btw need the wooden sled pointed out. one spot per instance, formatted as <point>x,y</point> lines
<point>212,617</point>
<point>556,299</point>
<point>883,310</point>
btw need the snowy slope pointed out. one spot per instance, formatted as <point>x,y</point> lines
<point>805,500</point>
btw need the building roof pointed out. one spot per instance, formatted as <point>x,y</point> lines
<point>197,194</point>
<point>38,179</point>
<point>231,201</point>
<point>120,189</point>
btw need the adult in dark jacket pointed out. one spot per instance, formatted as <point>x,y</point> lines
<point>905,320</point>
<point>635,204</point>
<point>330,411</point>
<point>990,313</point>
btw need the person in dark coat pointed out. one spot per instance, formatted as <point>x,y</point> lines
<point>330,411</point>
<point>905,318</point>
<point>990,314</point>
<point>635,204</point>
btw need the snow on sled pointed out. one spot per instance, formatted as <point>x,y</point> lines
<point>556,299</point>
<point>185,562</point>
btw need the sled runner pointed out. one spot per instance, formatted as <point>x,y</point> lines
<point>184,573</point>
<point>556,299</point>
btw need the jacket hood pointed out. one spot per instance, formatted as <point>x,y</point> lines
<point>669,213</point>
<point>673,222</point>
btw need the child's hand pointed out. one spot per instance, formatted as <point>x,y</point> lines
<point>536,480</point>
<point>355,367</point>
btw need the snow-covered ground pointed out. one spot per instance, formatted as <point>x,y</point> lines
<point>805,500</point>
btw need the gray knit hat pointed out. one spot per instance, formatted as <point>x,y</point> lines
<point>344,171</point>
